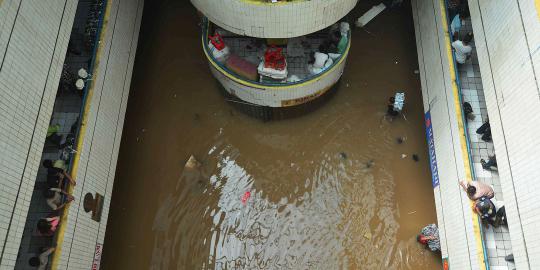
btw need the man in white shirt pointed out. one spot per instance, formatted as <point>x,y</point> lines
<point>462,49</point>
<point>53,197</point>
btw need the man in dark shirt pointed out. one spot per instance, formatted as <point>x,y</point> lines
<point>56,175</point>
<point>51,170</point>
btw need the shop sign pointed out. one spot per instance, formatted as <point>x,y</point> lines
<point>97,256</point>
<point>431,149</point>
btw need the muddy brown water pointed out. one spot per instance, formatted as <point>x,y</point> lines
<point>329,190</point>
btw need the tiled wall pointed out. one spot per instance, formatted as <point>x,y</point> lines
<point>460,239</point>
<point>103,132</point>
<point>507,37</point>
<point>274,20</point>
<point>34,35</point>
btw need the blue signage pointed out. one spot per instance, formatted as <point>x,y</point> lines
<point>431,149</point>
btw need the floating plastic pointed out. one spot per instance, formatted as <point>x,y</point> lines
<point>370,14</point>
<point>399,101</point>
<point>246,197</point>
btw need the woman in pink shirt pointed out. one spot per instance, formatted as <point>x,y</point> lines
<point>47,226</point>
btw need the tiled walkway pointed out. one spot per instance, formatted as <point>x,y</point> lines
<point>66,112</point>
<point>497,240</point>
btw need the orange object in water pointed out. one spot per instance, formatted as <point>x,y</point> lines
<point>245,197</point>
<point>274,58</point>
<point>217,41</point>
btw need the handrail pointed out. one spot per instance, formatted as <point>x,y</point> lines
<point>206,24</point>
<point>466,128</point>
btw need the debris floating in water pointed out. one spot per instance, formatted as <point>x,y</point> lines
<point>370,14</point>
<point>415,157</point>
<point>367,235</point>
<point>192,163</point>
<point>403,155</point>
<point>245,197</point>
<point>370,163</point>
<point>401,140</point>
<point>343,155</point>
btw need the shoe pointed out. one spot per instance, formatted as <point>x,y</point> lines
<point>484,164</point>
<point>509,257</point>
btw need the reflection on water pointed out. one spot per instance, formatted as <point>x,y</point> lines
<point>329,190</point>
<point>342,213</point>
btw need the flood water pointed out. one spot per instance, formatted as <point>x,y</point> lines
<point>328,190</point>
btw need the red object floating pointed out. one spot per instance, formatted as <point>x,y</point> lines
<point>245,197</point>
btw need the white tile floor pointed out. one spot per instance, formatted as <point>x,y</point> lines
<point>496,239</point>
